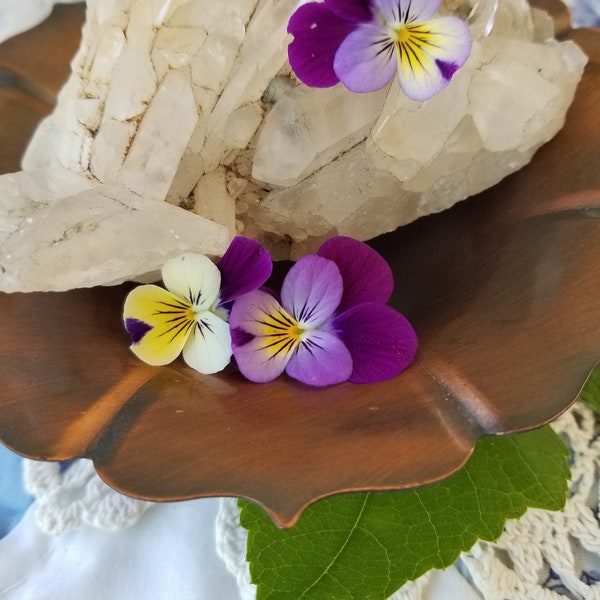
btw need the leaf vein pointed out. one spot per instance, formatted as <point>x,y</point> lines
<point>351,532</point>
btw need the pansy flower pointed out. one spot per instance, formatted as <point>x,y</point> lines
<point>191,314</point>
<point>363,43</point>
<point>330,325</point>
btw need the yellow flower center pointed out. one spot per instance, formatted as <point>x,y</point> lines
<point>190,314</point>
<point>412,43</point>
<point>282,333</point>
<point>400,34</point>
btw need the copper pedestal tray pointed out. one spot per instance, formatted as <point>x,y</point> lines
<point>503,291</point>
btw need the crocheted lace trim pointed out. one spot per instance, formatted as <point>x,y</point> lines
<point>544,555</point>
<point>75,496</point>
<point>549,555</point>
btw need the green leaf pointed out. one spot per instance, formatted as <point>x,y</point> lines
<point>591,390</point>
<point>366,545</point>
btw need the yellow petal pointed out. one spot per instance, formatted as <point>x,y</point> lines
<point>158,322</point>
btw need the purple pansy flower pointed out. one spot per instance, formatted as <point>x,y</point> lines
<point>362,43</point>
<point>191,315</point>
<point>330,325</point>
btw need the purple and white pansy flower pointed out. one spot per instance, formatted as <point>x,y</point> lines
<point>330,325</point>
<point>364,43</point>
<point>191,314</point>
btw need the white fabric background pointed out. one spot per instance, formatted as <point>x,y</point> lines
<point>168,555</point>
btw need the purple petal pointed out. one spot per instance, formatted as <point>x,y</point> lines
<point>365,60</point>
<point>407,11</point>
<point>381,341</point>
<point>318,33</point>
<point>357,11</point>
<point>320,359</point>
<point>259,328</point>
<point>312,290</point>
<point>251,312</point>
<point>256,364</point>
<point>244,267</point>
<point>366,275</point>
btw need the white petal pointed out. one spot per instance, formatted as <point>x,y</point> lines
<point>434,51</point>
<point>193,277</point>
<point>208,349</point>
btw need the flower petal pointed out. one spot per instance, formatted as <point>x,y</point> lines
<point>320,359</point>
<point>430,55</point>
<point>365,60</point>
<point>158,322</point>
<point>244,267</point>
<point>366,275</point>
<point>193,277</point>
<point>381,341</point>
<point>357,11</point>
<point>263,335</point>
<point>318,34</point>
<point>312,290</point>
<point>208,349</point>
<point>406,11</point>
<point>257,364</point>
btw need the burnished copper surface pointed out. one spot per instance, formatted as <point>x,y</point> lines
<point>503,291</point>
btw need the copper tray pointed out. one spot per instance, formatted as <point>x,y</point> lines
<point>503,291</point>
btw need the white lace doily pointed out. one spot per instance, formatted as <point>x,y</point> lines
<point>542,556</point>
<point>549,555</point>
<point>76,496</point>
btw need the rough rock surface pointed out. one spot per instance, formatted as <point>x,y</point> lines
<point>182,125</point>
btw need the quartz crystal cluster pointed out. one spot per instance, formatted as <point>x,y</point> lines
<point>182,125</point>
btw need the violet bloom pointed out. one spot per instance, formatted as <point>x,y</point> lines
<point>191,315</point>
<point>362,43</point>
<point>331,325</point>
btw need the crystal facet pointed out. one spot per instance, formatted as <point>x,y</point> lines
<point>182,124</point>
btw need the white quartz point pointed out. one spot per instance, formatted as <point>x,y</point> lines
<point>262,55</point>
<point>307,128</point>
<point>505,116</point>
<point>213,201</point>
<point>331,201</point>
<point>156,150</point>
<point>104,234</point>
<point>410,134</point>
<point>23,195</point>
<point>194,102</point>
